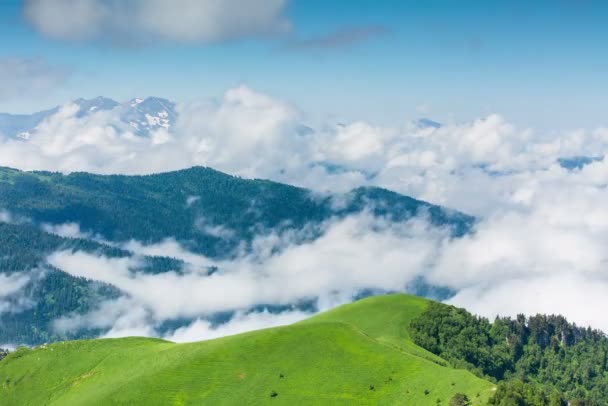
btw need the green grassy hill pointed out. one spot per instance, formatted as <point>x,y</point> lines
<point>356,354</point>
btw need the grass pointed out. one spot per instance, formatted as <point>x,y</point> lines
<point>356,354</point>
<point>384,318</point>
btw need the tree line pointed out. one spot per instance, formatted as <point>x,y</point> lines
<point>538,360</point>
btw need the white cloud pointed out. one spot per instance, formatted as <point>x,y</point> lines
<point>146,21</point>
<point>542,228</point>
<point>214,230</point>
<point>549,254</point>
<point>10,286</point>
<point>356,253</point>
<point>21,77</point>
<point>246,133</point>
<point>168,248</point>
<point>191,200</point>
<point>66,230</point>
<point>578,297</point>
<point>5,217</point>
<point>242,322</point>
<point>12,283</point>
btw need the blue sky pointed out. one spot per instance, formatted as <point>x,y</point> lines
<point>540,64</point>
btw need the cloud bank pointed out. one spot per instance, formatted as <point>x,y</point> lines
<point>11,299</point>
<point>538,245</point>
<point>353,254</point>
<point>147,21</point>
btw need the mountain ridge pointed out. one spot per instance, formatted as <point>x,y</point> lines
<point>142,117</point>
<point>325,359</point>
<point>205,211</point>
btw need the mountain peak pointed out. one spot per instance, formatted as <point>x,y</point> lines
<point>142,115</point>
<point>149,114</point>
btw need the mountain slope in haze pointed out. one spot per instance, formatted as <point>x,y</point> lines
<point>192,205</point>
<point>207,212</point>
<point>357,354</point>
<point>48,293</point>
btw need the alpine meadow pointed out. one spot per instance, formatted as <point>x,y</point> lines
<point>258,202</point>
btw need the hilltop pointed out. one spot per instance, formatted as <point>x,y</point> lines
<point>359,353</point>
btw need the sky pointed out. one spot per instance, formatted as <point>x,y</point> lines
<point>540,64</point>
<point>518,87</point>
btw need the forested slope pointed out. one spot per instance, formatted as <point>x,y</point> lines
<point>539,359</point>
<point>207,212</point>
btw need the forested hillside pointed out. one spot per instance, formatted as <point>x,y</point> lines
<point>49,293</point>
<point>538,359</point>
<point>205,211</point>
<point>189,205</point>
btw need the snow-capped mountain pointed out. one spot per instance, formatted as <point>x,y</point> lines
<point>142,115</point>
<point>145,115</point>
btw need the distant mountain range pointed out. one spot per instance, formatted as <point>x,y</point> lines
<point>142,115</point>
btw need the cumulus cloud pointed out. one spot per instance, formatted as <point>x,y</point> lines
<point>251,134</point>
<point>541,250</point>
<point>147,21</point>
<point>357,253</point>
<point>578,297</point>
<point>539,238</point>
<point>246,133</point>
<point>546,255</point>
<point>21,77</point>
<point>10,288</point>
<point>11,283</point>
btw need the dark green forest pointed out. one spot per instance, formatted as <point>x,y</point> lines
<point>538,360</point>
<point>51,293</point>
<point>186,204</point>
<point>206,211</point>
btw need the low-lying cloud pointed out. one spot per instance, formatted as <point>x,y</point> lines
<point>538,245</point>
<point>550,263</point>
<point>239,323</point>
<point>250,134</point>
<point>11,298</point>
<point>357,253</point>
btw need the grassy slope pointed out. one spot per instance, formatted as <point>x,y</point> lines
<point>397,311</point>
<point>330,359</point>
